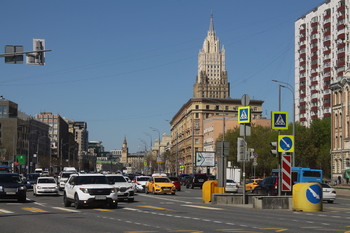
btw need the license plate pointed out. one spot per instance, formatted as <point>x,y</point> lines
<point>200,180</point>
<point>166,188</point>
<point>100,197</point>
<point>11,193</point>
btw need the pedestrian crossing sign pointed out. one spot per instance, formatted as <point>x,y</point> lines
<point>244,115</point>
<point>279,120</point>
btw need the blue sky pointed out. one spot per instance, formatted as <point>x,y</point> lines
<point>126,66</point>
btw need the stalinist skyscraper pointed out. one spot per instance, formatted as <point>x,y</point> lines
<point>211,80</point>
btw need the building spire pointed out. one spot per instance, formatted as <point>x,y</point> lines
<point>211,25</point>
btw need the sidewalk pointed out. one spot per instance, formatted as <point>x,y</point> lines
<point>342,190</point>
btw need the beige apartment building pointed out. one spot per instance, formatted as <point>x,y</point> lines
<point>340,150</point>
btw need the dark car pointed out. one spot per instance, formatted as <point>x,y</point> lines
<point>268,186</point>
<point>176,181</point>
<point>12,187</point>
<point>31,179</point>
<point>196,180</point>
<point>184,178</point>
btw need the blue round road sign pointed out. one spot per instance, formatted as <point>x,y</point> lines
<point>314,194</point>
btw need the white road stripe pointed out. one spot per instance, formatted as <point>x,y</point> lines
<point>203,207</point>
<point>66,209</point>
<point>6,211</point>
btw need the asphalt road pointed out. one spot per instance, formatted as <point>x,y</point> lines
<point>183,212</point>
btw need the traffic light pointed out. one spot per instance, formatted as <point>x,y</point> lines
<point>274,148</point>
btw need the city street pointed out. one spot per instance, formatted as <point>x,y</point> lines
<point>183,212</point>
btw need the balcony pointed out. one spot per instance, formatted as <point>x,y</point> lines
<point>303,103</point>
<point>314,83</point>
<point>302,63</point>
<point>327,52</point>
<point>327,114</point>
<point>341,8</point>
<point>315,73</point>
<point>302,111</point>
<point>327,33</point>
<point>314,66</point>
<point>341,17</point>
<point>341,55</point>
<point>314,117</point>
<point>328,69</point>
<point>314,49</point>
<point>327,43</point>
<point>327,25</point>
<point>340,27</point>
<point>326,105</point>
<point>340,63</point>
<point>314,91</point>
<point>303,79</point>
<point>341,36</point>
<point>303,119</point>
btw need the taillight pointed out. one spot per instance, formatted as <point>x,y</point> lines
<point>334,192</point>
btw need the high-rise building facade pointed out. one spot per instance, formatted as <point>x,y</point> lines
<point>321,57</point>
<point>211,97</point>
<point>211,81</point>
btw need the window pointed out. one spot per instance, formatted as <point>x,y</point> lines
<point>207,107</point>
<point>197,106</point>
<point>217,107</point>
<point>197,115</point>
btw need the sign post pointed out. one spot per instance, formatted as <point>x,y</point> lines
<point>244,118</point>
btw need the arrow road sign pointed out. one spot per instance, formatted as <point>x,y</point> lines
<point>285,143</point>
<point>205,159</point>
<point>314,193</point>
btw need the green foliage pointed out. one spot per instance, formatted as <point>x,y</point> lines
<point>312,147</point>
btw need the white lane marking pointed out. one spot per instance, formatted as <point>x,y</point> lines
<point>203,207</point>
<point>5,211</point>
<point>66,209</point>
<point>166,199</point>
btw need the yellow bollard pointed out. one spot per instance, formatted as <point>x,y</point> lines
<point>307,197</point>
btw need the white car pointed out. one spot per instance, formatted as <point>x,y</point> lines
<point>45,186</point>
<point>125,188</point>
<point>140,182</point>
<point>62,179</point>
<point>132,183</point>
<point>328,193</point>
<point>88,189</point>
<point>231,186</point>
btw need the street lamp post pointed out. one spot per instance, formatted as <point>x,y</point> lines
<point>291,89</point>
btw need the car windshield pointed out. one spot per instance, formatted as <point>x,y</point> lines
<point>91,180</point>
<point>10,179</point>
<point>142,178</point>
<point>33,176</point>
<point>116,179</point>
<point>325,186</point>
<point>66,175</point>
<point>230,181</point>
<point>47,181</point>
<point>174,178</point>
<point>161,180</point>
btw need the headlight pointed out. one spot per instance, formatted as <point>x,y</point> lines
<point>84,190</point>
<point>0,188</point>
<point>114,190</point>
<point>38,187</point>
<point>22,188</point>
<point>157,186</point>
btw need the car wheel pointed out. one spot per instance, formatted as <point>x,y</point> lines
<point>330,201</point>
<point>22,199</point>
<point>130,199</point>
<point>154,193</point>
<point>187,186</point>
<point>179,189</point>
<point>146,190</point>
<point>77,202</point>
<point>192,186</point>
<point>66,202</point>
<point>113,205</point>
<point>172,193</point>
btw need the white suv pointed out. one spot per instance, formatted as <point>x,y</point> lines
<point>125,188</point>
<point>87,189</point>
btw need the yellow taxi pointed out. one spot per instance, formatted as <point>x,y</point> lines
<point>251,184</point>
<point>159,185</point>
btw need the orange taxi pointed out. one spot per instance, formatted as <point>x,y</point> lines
<point>160,185</point>
<point>251,184</point>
